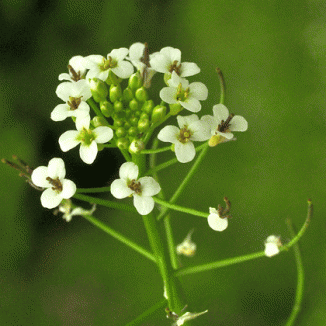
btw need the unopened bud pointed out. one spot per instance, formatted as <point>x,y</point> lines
<point>136,146</point>
<point>133,104</point>
<point>141,94</point>
<point>115,93</point>
<point>123,143</point>
<point>148,107</point>
<point>127,94</point>
<point>106,108</point>
<point>175,108</point>
<point>143,125</point>
<point>135,81</point>
<point>99,121</point>
<point>99,90</point>
<point>158,113</point>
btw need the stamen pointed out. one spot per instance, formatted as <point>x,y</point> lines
<point>225,125</point>
<point>75,76</point>
<point>175,67</point>
<point>135,186</point>
<point>56,183</point>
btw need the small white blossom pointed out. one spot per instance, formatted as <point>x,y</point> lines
<point>66,208</point>
<point>77,69</point>
<point>191,129</point>
<point>222,124</point>
<point>169,59</point>
<point>141,189</point>
<point>216,222</point>
<point>87,138</point>
<point>187,247</point>
<point>272,245</point>
<point>99,67</point>
<point>75,95</point>
<point>188,316</point>
<point>187,95</point>
<point>52,177</point>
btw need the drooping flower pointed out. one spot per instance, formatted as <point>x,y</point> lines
<point>187,247</point>
<point>215,221</point>
<point>272,245</point>
<point>187,95</point>
<point>87,138</point>
<point>68,212</point>
<point>77,69</point>
<point>191,129</point>
<point>188,316</point>
<point>169,59</point>
<point>52,177</point>
<point>141,189</point>
<point>99,67</point>
<point>222,124</point>
<point>75,94</point>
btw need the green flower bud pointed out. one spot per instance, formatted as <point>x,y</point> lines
<point>106,108</point>
<point>133,121</point>
<point>141,94</point>
<point>135,81</point>
<point>158,113</point>
<point>120,132</point>
<point>123,143</point>
<point>128,113</point>
<point>113,79</point>
<point>118,122</point>
<point>133,104</point>
<point>175,108</point>
<point>133,131</point>
<point>115,93</point>
<point>143,125</point>
<point>144,115</point>
<point>136,146</point>
<point>118,106</point>
<point>99,121</point>
<point>127,125</point>
<point>148,106</point>
<point>99,90</point>
<point>127,94</point>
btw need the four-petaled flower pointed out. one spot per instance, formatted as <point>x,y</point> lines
<point>191,129</point>
<point>141,189</point>
<point>99,67</point>
<point>169,59</point>
<point>75,94</point>
<point>53,179</point>
<point>215,221</point>
<point>68,212</point>
<point>87,138</point>
<point>272,245</point>
<point>222,124</point>
<point>187,95</point>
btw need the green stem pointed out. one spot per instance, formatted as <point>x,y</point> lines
<point>93,105</point>
<point>300,281</point>
<point>180,208</point>
<point>120,237</point>
<point>92,190</point>
<point>157,150</point>
<point>222,85</point>
<point>106,203</point>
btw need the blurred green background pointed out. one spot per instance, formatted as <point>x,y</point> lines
<point>272,54</point>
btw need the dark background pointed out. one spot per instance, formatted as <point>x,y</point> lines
<point>272,54</point>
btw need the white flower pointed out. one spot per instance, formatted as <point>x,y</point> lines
<point>187,247</point>
<point>222,124</point>
<point>77,69</point>
<point>75,94</point>
<point>215,221</point>
<point>272,245</point>
<point>169,59</point>
<point>99,67</point>
<point>66,208</point>
<point>87,138</point>
<point>187,95</point>
<point>188,316</point>
<point>142,189</point>
<point>191,129</point>
<point>52,177</point>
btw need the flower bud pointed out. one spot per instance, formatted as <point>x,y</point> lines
<point>113,79</point>
<point>120,132</point>
<point>143,125</point>
<point>118,106</point>
<point>106,108</point>
<point>135,81</point>
<point>133,121</point>
<point>99,90</point>
<point>133,104</point>
<point>158,113</point>
<point>133,131</point>
<point>136,146</point>
<point>141,94</point>
<point>175,108</point>
<point>148,106</point>
<point>144,115</point>
<point>127,94</point>
<point>115,93</point>
<point>123,143</point>
<point>118,122</point>
<point>99,121</point>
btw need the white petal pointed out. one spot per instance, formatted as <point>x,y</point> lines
<point>68,140</point>
<point>124,69</point>
<point>64,76</point>
<point>50,198</point>
<point>168,95</point>
<point>39,176</point>
<point>56,168</point>
<point>103,134</point>
<point>88,152</point>
<point>119,189</point>
<point>238,123</point>
<point>200,131</point>
<point>191,104</point>
<point>169,134</point>
<point>271,249</point>
<point>186,120</point>
<point>198,90</point>
<point>82,111</point>
<point>82,88</point>
<point>149,186</point>
<point>217,223</point>
<point>185,152</point>
<point>93,61</point>
<point>212,122</point>
<point>220,112</point>
<point>227,135</point>
<point>172,53</point>
<point>176,80</point>
<point>129,171</point>
<point>83,123</point>
<point>68,188</point>
<point>144,205</point>
<point>97,73</point>
<point>136,51</point>
<point>78,63</point>
<point>60,112</point>
<point>64,90</point>
<point>189,69</point>
<point>118,54</point>
<point>160,63</point>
